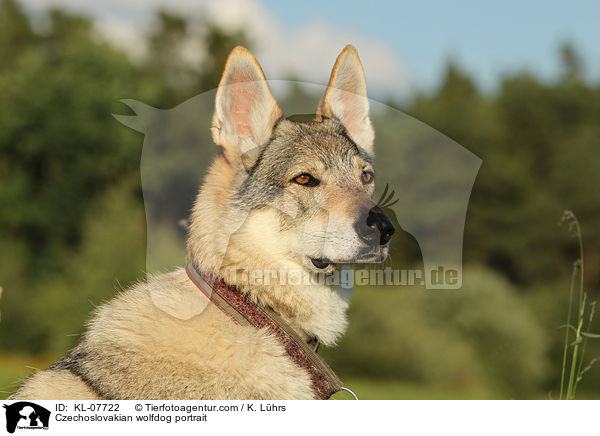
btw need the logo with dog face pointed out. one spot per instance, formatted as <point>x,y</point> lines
<point>26,415</point>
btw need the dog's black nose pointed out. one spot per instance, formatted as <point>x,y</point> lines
<point>376,225</point>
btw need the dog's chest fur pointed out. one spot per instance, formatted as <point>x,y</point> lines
<point>140,346</point>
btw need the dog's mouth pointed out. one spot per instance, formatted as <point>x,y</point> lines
<point>324,264</point>
<point>320,263</point>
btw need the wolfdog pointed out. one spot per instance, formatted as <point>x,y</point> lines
<point>281,196</point>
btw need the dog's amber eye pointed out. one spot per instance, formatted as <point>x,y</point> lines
<point>305,179</point>
<point>367,177</point>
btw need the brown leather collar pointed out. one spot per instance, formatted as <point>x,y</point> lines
<point>245,312</point>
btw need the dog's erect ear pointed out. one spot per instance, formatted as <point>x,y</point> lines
<point>346,98</point>
<point>245,110</point>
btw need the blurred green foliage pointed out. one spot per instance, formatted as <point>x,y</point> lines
<point>481,338</point>
<point>72,226</point>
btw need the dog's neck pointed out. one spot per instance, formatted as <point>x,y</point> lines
<point>313,310</point>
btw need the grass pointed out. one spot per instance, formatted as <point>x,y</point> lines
<point>574,352</point>
<point>380,389</point>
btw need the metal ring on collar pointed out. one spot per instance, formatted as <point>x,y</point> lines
<point>349,390</point>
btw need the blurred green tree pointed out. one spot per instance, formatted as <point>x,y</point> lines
<point>186,57</point>
<point>16,33</point>
<point>60,149</point>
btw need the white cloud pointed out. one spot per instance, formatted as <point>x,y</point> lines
<point>123,34</point>
<point>308,53</point>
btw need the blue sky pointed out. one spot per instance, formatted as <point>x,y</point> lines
<point>404,46</point>
<point>487,38</point>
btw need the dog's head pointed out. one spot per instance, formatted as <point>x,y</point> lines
<point>299,191</point>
